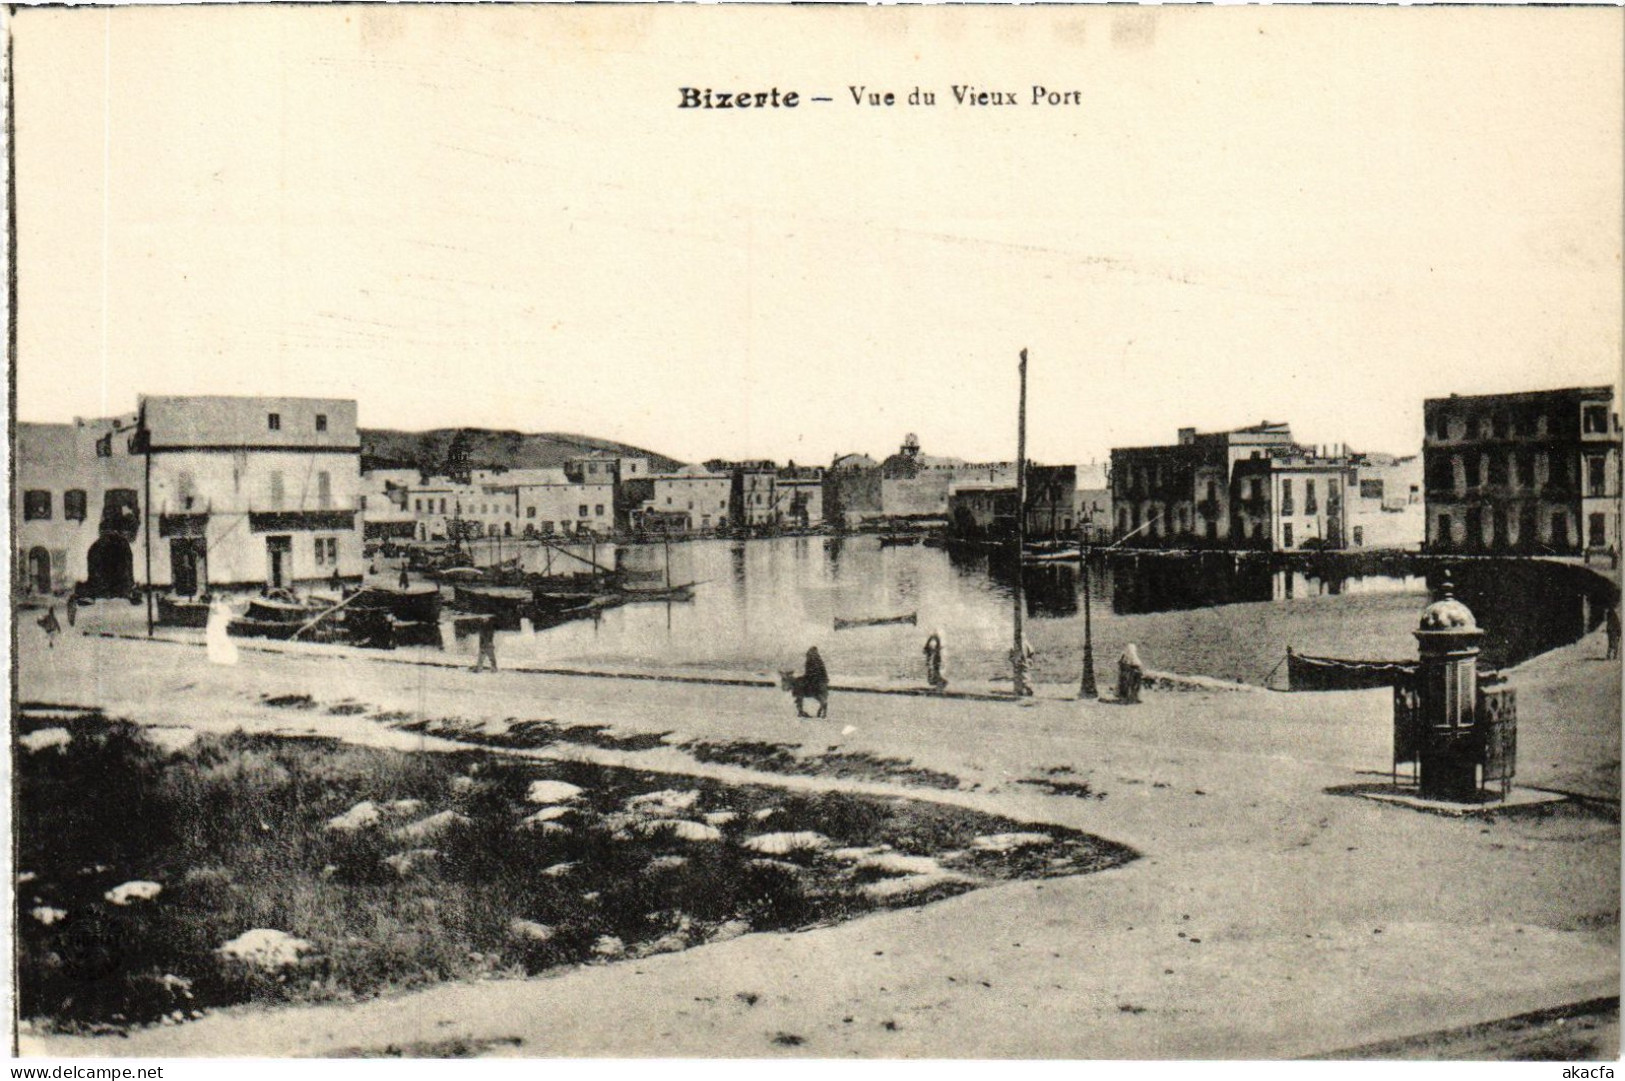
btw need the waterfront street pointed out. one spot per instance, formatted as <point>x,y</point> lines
<point>1271,915</point>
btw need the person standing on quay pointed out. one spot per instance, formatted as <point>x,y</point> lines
<point>51,626</point>
<point>1611,624</point>
<point>815,676</point>
<point>1130,672</point>
<point>933,662</point>
<point>488,644</point>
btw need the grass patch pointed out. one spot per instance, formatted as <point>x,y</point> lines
<point>782,758</point>
<point>447,869</point>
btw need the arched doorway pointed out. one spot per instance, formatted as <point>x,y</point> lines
<point>39,570</point>
<point>110,567</point>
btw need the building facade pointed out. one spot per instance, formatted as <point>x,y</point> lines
<point>1534,472</point>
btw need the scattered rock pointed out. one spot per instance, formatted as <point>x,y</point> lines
<point>139,890</point>
<point>547,820</point>
<point>852,855</point>
<point>668,802</point>
<point>888,889</point>
<point>721,818</point>
<point>777,865</point>
<point>559,870</point>
<point>425,829</point>
<point>363,815</point>
<point>764,814</point>
<point>266,949</point>
<point>172,739</point>
<point>1009,842</point>
<point>530,930</point>
<point>26,876</point>
<point>552,792</point>
<point>668,944</point>
<point>896,863</point>
<point>404,807</point>
<point>729,931</point>
<point>42,739</point>
<point>47,915</point>
<point>684,830</point>
<point>406,863</point>
<point>782,844</point>
<point>462,785</point>
<point>665,863</point>
<point>609,947</point>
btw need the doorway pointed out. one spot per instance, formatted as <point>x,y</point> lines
<point>39,570</point>
<point>188,571</point>
<point>279,555</point>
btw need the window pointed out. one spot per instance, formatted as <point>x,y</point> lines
<point>1309,504</point>
<point>1595,420</point>
<point>417,506</point>
<point>1286,495</point>
<point>599,510</point>
<point>276,489</point>
<point>273,421</point>
<point>1441,477</point>
<point>1443,534</point>
<point>584,508</point>
<point>321,422</point>
<point>1599,531</point>
<point>37,505</point>
<point>324,491</point>
<point>1359,536</point>
<point>73,505</point>
<point>1371,489</point>
<point>321,551</point>
<point>443,506</point>
<point>1498,469</point>
<point>104,446</point>
<point>1596,475</point>
<point>332,551</point>
<point>1286,535</point>
<point>1500,425</point>
<point>530,512</point>
<point>1526,471</point>
<point>1472,470</point>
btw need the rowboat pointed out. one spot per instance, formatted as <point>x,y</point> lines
<point>182,611</point>
<point>876,621</point>
<point>491,600</point>
<point>414,604</point>
<point>893,540</point>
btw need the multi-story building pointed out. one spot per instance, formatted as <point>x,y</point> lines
<point>386,512</point>
<point>800,491</point>
<point>77,506</point>
<point>602,467</point>
<point>1384,502</point>
<point>1184,495</point>
<point>549,504</point>
<point>251,492</point>
<point>1534,472</point>
<point>691,500</point>
<point>988,510</point>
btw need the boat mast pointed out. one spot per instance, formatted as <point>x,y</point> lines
<point>1018,654</point>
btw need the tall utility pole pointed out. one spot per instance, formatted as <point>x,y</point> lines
<point>1018,655</point>
<point>1086,687</point>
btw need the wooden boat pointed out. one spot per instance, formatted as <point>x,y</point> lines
<point>277,610</point>
<point>414,604</point>
<point>1065,553</point>
<point>895,540</point>
<point>662,593</point>
<point>176,611</point>
<point>492,600</point>
<point>912,619</point>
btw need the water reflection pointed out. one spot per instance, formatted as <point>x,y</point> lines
<point>760,605</point>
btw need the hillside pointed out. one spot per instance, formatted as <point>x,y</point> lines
<point>482,448</point>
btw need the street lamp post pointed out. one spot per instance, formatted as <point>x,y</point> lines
<point>1086,687</point>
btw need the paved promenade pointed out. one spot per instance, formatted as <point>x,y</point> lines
<point>1272,914</point>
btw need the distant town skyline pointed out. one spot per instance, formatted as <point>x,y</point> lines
<point>500,219</point>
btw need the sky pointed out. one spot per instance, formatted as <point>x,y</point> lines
<point>499,217</point>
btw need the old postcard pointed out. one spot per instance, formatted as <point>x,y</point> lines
<point>1060,532</point>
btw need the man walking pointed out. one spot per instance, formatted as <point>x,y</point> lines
<point>488,644</point>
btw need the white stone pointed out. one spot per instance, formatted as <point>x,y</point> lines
<point>45,738</point>
<point>407,862</point>
<point>721,818</point>
<point>897,863</point>
<point>425,829</point>
<point>852,855</point>
<point>404,807</point>
<point>782,844</point>
<point>552,792</point>
<point>891,888</point>
<point>266,949</point>
<point>168,738</point>
<point>667,802</point>
<point>530,930</point>
<point>609,947</point>
<point>1008,842</point>
<point>139,890</point>
<point>559,870</point>
<point>684,830</point>
<point>363,815</point>
<point>47,915</point>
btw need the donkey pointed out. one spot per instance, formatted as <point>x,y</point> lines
<point>797,686</point>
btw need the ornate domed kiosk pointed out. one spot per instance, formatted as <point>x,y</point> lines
<point>1461,737</point>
